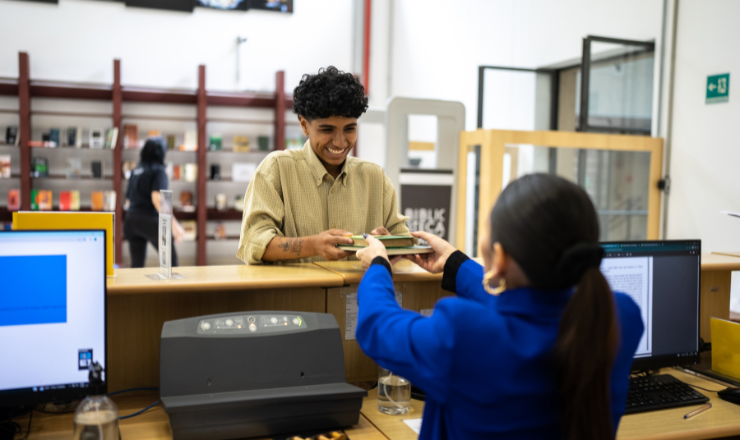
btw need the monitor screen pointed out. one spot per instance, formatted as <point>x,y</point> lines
<point>52,313</point>
<point>663,278</point>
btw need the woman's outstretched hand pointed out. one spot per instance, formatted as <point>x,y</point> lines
<point>433,262</point>
<point>375,248</point>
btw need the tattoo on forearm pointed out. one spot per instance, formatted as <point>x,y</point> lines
<point>292,245</point>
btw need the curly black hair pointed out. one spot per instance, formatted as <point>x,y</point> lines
<point>330,92</point>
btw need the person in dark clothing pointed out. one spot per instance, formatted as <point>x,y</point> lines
<point>142,216</point>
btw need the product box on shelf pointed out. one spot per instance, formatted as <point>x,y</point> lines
<point>14,199</point>
<point>242,172</point>
<point>109,200</point>
<point>11,135</point>
<point>131,136</point>
<point>241,144</point>
<point>111,137</point>
<point>41,200</point>
<point>69,201</point>
<point>186,201</point>
<point>214,143</point>
<point>190,172</point>
<point>190,141</point>
<point>190,230</point>
<point>74,168</point>
<point>74,137</point>
<point>96,201</point>
<point>96,138</point>
<point>4,166</point>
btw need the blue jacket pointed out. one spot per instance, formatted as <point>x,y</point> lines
<point>483,360</point>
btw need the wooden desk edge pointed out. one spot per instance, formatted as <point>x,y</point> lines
<point>401,277</point>
<point>175,287</point>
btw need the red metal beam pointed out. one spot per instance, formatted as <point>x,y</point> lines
<point>8,87</point>
<point>117,161</point>
<point>24,119</point>
<point>366,46</point>
<point>280,110</point>
<point>247,99</point>
<point>47,89</point>
<point>141,94</point>
<point>202,164</point>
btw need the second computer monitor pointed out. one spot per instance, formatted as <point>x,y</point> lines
<point>663,278</point>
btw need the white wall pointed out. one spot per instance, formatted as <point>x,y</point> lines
<point>77,41</point>
<point>438,45</point>
<point>705,151</point>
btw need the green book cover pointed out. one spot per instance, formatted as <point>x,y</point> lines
<point>389,241</point>
<point>34,200</point>
<point>215,143</point>
<point>383,237</point>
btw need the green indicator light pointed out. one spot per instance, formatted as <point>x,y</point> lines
<point>300,322</point>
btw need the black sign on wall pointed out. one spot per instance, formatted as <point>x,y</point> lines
<point>428,208</point>
<point>169,5</point>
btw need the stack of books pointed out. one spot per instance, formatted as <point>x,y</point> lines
<point>394,245</point>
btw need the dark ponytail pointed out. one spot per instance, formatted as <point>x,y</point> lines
<point>584,355</point>
<point>550,228</point>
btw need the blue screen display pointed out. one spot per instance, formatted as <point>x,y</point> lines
<point>33,290</point>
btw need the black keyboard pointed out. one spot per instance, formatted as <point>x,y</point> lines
<point>660,392</point>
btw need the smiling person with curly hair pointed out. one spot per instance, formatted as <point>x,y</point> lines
<point>301,204</point>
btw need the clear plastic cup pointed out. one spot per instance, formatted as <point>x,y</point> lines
<point>394,393</point>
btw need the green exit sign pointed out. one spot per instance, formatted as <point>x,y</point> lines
<point>718,88</point>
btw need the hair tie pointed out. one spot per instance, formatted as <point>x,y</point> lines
<point>575,261</point>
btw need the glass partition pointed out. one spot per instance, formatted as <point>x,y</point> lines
<point>617,182</point>
<point>619,173</point>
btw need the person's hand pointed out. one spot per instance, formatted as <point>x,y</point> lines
<point>433,262</point>
<point>375,248</point>
<point>325,244</point>
<point>380,231</point>
<point>178,232</point>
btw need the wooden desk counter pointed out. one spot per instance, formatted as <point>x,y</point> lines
<point>392,427</point>
<point>716,281</point>
<point>419,290</point>
<point>403,271</point>
<point>138,307</point>
<point>722,420</point>
<point>151,425</point>
<point>211,278</point>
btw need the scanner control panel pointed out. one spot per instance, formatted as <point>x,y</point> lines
<point>251,324</point>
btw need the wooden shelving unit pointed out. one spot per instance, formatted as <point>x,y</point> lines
<point>25,89</point>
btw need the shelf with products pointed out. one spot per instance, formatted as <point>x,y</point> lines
<point>66,149</point>
<point>72,114</point>
<point>179,214</point>
<point>224,214</point>
<point>117,94</point>
<point>71,179</point>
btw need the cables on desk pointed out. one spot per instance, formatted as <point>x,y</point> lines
<point>132,390</point>
<point>139,412</point>
<point>711,391</point>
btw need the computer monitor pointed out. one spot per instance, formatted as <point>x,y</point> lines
<point>663,278</point>
<point>52,314</point>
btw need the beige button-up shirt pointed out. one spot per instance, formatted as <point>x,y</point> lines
<point>292,195</point>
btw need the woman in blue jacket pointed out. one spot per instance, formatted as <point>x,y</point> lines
<point>535,345</point>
